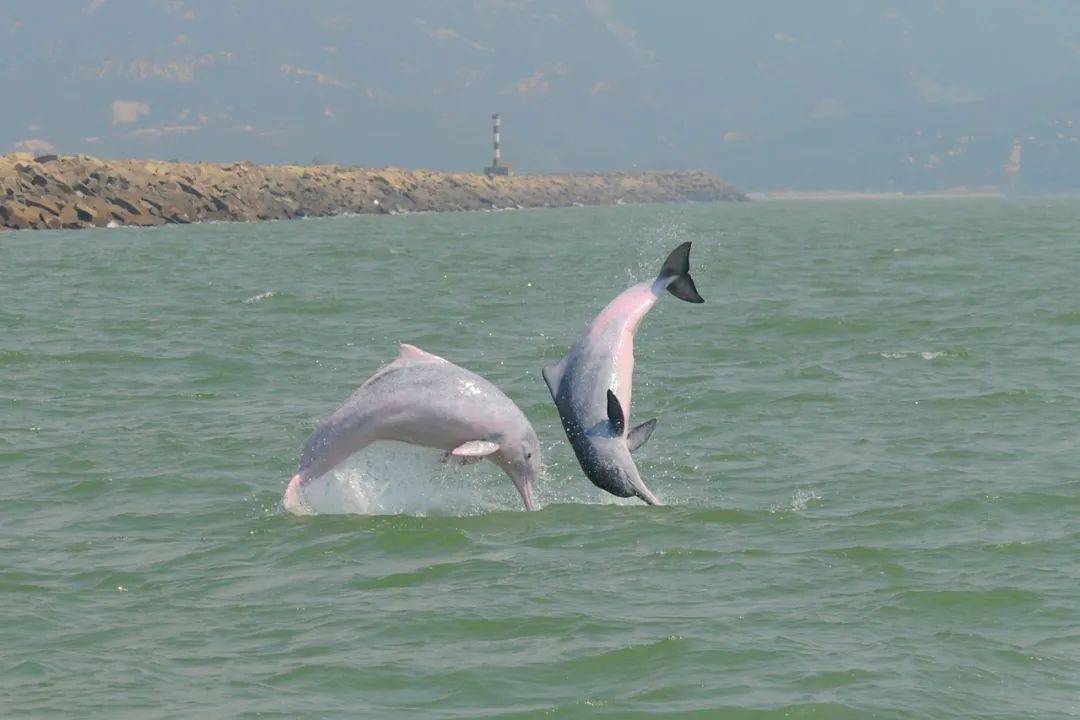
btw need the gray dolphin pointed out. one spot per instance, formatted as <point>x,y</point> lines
<point>592,385</point>
<point>423,399</point>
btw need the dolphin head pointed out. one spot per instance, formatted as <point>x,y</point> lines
<point>610,466</point>
<point>519,457</point>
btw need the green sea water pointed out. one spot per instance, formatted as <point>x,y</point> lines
<point>868,440</point>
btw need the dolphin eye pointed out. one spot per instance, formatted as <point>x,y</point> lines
<point>528,455</point>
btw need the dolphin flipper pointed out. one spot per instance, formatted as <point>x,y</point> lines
<point>640,435</point>
<point>677,267</point>
<point>449,458</point>
<point>475,448</point>
<point>553,375</point>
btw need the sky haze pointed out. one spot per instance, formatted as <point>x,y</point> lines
<point>868,95</point>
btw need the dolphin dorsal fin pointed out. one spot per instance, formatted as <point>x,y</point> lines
<point>615,413</point>
<point>410,354</point>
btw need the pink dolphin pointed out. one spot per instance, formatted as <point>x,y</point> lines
<point>592,385</point>
<point>423,399</point>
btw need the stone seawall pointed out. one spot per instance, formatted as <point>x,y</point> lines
<point>74,191</point>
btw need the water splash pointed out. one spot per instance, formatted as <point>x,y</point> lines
<point>261,296</point>
<point>393,478</point>
<point>800,500</point>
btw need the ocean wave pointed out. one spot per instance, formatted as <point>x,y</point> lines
<point>924,354</point>
<point>261,296</point>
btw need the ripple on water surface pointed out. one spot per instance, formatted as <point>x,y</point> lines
<point>866,439</point>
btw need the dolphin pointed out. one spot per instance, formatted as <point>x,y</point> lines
<point>592,385</point>
<point>423,399</point>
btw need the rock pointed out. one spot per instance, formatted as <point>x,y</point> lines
<point>20,217</point>
<point>172,214</point>
<point>126,205</point>
<point>80,190</point>
<point>142,220</point>
<point>190,190</point>
<point>69,218</point>
<point>68,213</point>
<point>84,213</point>
<point>47,205</point>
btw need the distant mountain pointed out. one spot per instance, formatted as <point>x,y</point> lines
<point>859,95</point>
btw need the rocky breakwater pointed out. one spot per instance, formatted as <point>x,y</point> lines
<point>74,191</point>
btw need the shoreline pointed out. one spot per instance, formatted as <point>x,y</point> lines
<point>829,195</point>
<point>79,191</point>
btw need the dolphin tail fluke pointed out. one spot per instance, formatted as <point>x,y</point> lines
<point>677,267</point>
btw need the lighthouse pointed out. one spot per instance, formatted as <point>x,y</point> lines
<point>496,167</point>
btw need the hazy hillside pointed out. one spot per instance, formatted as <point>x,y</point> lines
<point>858,95</point>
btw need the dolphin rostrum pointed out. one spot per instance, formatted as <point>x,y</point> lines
<point>423,399</point>
<point>592,385</point>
